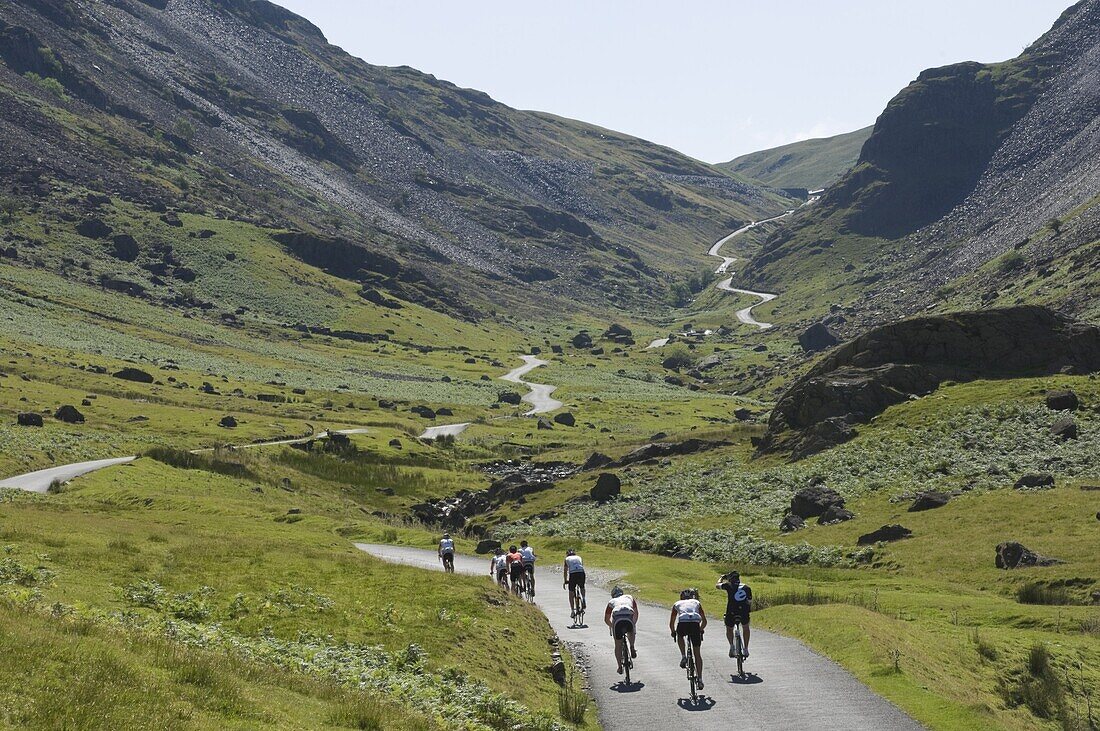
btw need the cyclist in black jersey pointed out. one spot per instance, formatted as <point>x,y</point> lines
<point>738,606</point>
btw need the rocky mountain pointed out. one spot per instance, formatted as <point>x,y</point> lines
<point>810,164</point>
<point>978,187</point>
<point>238,109</point>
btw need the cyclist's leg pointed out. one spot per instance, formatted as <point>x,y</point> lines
<point>630,637</point>
<point>745,634</point>
<point>580,583</point>
<point>683,649</point>
<point>697,650</point>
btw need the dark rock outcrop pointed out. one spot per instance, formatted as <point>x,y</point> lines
<point>1035,481</point>
<point>910,358</point>
<point>565,419</point>
<point>791,523</point>
<point>486,545</point>
<point>816,337</point>
<point>69,415</point>
<point>813,501</point>
<point>884,534</point>
<point>29,419</point>
<point>133,374</point>
<point>929,500</point>
<point>228,422</point>
<point>582,340</point>
<point>1013,555</point>
<point>1062,401</point>
<point>667,449</point>
<point>1064,427</point>
<point>608,485</point>
<point>544,424</point>
<point>595,461</point>
<point>835,514</point>
<point>93,228</point>
<point>125,247</point>
<point>423,412</point>
<point>509,397</point>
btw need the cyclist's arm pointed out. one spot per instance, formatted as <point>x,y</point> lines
<point>564,574</point>
<point>635,611</point>
<point>672,621</point>
<point>703,623</point>
<point>607,615</point>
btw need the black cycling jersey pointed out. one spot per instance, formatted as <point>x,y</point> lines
<point>738,599</point>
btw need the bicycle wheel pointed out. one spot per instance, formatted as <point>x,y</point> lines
<point>691,673</point>
<point>739,649</point>
<point>624,650</point>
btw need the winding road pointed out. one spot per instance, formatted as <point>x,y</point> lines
<point>540,396</point>
<point>444,430</point>
<point>789,686</point>
<point>40,480</point>
<point>726,285</point>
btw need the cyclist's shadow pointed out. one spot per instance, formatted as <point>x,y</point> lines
<point>704,703</point>
<point>624,687</point>
<point>746,679</point>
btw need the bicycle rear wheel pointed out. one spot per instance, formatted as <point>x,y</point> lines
<point>692,680</point>
<point>739,651</point>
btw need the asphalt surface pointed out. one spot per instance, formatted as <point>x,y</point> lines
<point>444,430</point>
<point>540,394</point>
<point>41,480</point>
<point>789,687</point>
<point>726,285</point>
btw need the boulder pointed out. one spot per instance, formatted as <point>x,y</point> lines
<point>172,219</point>
<point>29,419</point>
<point>1064,428</point>
<point>509,397</point>
<point>228,422</point>
<point>1013,555</point>
<point>544,423</point>
<point>1062,401</point>
<point>69,415</point>
<point>93,228</point>
<point>616,331</point>
<point>423,412</point>
<point>813,501</point>
<point>556,349</point>
<point>885,533</point>
<point>444,411</point>
<point>595,461</point>
<point>582,340</point>
<point>816,338</point>
<point>742,414</point>
<point>835,514</point>
<point>565,419</point>
<point>125,247</point>
<point>395,443</point>
<point>929,500</point>
<point>133,374</point>
<point>1035,481</point>
<point>486,545</point>
<point>607,486</point>
<point>791,523</point>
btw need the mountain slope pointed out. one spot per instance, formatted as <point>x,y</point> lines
<point>810,164</point>
<point>954,197</point>
<point>239,109</point>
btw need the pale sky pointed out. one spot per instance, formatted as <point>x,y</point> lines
<point>711,78</point>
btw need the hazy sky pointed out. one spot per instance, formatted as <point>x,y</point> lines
<point>713,79</point>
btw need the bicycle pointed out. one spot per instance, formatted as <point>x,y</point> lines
<point>738,649</point>
<point>578,602</point>
<point>448,560</point>
<point>623,650</point>
<point>502,580</point>
<point>693,679</point>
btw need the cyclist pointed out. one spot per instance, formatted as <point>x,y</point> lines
<point>689,620</point>
<point>573,573</point>
<point>529,557</point>
<point>738,606</point>
<point>447,552</point>
<point>498,568</point>
<point>621,616</point>
<point>515,567</point>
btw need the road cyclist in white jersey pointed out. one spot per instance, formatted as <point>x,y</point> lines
<point>688,620</point>
<point>621,616</point>
<point>573,579</point>
<point>447,552</point>
<point>498,568</point>
<point>529,559</point>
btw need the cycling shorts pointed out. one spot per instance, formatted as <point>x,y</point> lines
<point>575,580</point>
<point>448,557</point>
<point>691,630</point>
<point>515,570</point>
<point>502,574</point>
<point>623,627</point>
<point>529,568</point>
<point>741,615</point>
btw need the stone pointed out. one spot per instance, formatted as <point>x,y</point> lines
<point>565,419</point>
<point>85,402</point>
<point>791,523</point>
<point>294,511</point>
<point>835,514</point>
<point>1064,428</point>
<point>395,443</point>
<point>172,219</point>
<point>486,545</point>
<point>608,485</point>
<point>1035,481</point>
<point>883,534</point>
<point>1062,401</point>
<point>423,411</point>
<point>125,247</point>
<point>444,411</point>
<point>228,422</point>
<point>134,374</point>
<point>817,338</point>
<point>813,501</point>
<point>544,423</point>
<point>742,414</point>
<point>929,500</point>
<point>582,340</point>
<point>29,419</point>
<point>93,228</point>
<point>509,397</point>
<point>1014,555</point>
<point>69,415</point>
<point>595,461</point>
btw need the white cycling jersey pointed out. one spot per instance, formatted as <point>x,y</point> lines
<point>688,610</point>
<point>574,565</point>
<point>500,563</point>
<point>528,554</point>
<point>447,545</point>
<point>622,607</point>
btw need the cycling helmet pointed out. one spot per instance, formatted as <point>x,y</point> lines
<point>512,549</point>
<point>689,594</point>
<point>616,592</point>
<point>523,543</point>
<point>498,551</point>
<point>570,552</point>
<point>446,535</point>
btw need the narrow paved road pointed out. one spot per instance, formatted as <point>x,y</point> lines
<point>726,285</point>
<point>540,394</point>
<point>789,688</point>
<point>41,480</point>
<point>444,430</point>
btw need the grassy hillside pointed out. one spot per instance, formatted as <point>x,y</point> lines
<point>809,164</point>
